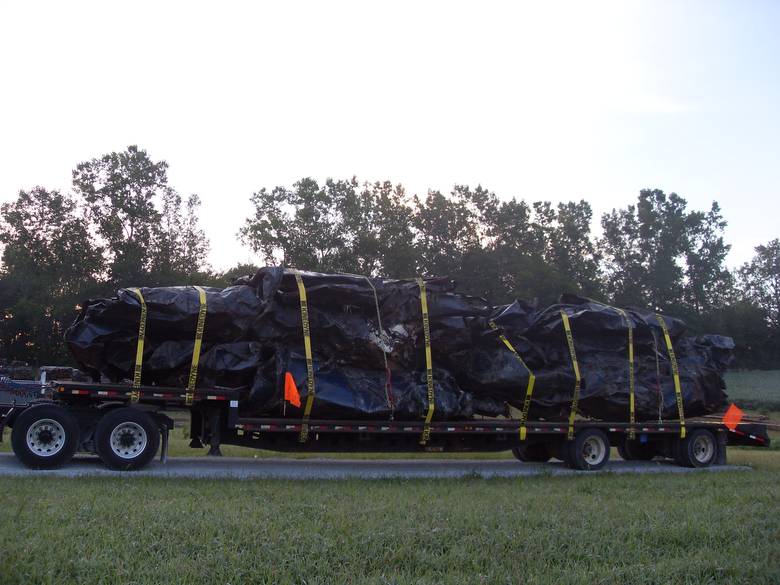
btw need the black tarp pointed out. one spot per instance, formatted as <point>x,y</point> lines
<point>368,349</point>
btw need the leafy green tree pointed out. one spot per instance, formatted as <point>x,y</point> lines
<point>447,229</point>
<point>393,224</point>
<point>360,223</point>
<point>194,245</point>
<point>50,263</point>
<point>623,259</point>
<point>662,240</point>
<point>300,227</point>
<point>510,224</point>
<point>179,245</point>
<point>568,246</point>
<point>122,226</point>
<point>150,236</point>
<point>339,226</point>
<point>467,234</point>
<point>119,190</point>
<point>376,230</point>
<point>760,281</point>
<point>709,284</point>
<point>644,247</point>
<point>516,248</point>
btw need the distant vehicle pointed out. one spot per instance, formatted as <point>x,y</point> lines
<point>126,426</point>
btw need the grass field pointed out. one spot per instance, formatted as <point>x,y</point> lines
<point>703,528</point>
<point>756,390</point>
<point>644,529</point>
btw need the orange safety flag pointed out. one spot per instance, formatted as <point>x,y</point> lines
<point>733,417</point>
<point>291,393</point>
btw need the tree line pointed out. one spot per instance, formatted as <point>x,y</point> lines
<point>122,224</point>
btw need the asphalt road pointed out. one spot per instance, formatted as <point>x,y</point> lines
<point>277,468</point>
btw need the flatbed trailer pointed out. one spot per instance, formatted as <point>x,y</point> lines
<point>127,426</point>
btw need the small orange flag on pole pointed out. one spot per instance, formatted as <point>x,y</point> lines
<point>733,417</point>
<point>291,393</point>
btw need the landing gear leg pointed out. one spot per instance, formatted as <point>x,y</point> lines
<point>164,432</point>
<point>214,440</point>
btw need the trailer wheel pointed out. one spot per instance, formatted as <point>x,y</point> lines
<point>532,452</point>
<point>589,450</point>
<point>45,436</point>
<point>127,439</point>
<point>635,451</point>
<point>698,449</point>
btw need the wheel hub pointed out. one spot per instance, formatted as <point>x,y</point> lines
<point>128,440</point>
<point>703,449</point>
<point>45,437</point>
<point>593,450</point>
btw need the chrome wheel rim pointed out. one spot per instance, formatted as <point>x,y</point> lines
<point>46,437</point>
<point>593,450</point>
<point>128,440</point>
<point>703,448</point>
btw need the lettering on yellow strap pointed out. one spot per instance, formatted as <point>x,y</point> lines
<point>675,373</point>
<point>199,329</point>
<point>428,362</point>
<point>304,436</point>
<point>135,393</point>
<point>529,389</point>
<point>577,378</point>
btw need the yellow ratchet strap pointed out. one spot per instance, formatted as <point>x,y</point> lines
<point>190,395</point>
<point>529,389</point>
<point>304,436</point>
<point>631,405</point>
<point>577,378</point>
<point>675,373</point>
<point>428,362</point>
<point>135,394</point>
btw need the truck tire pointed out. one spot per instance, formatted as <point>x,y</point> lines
<point>589,450</point>
<point>532,452</point>
<point>699,448</point>
<point>126,439</point>
<point>45,436</point>
<point>635,451</point>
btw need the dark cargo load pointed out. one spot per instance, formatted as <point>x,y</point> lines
<point>368,350</point>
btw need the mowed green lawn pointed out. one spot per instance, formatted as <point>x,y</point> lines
<point>757,389</point>
<point>697,528</point>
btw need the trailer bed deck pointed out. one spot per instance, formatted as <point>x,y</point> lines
<point>217,418</point>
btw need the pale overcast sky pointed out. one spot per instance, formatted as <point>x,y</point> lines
<point>540,100</point>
